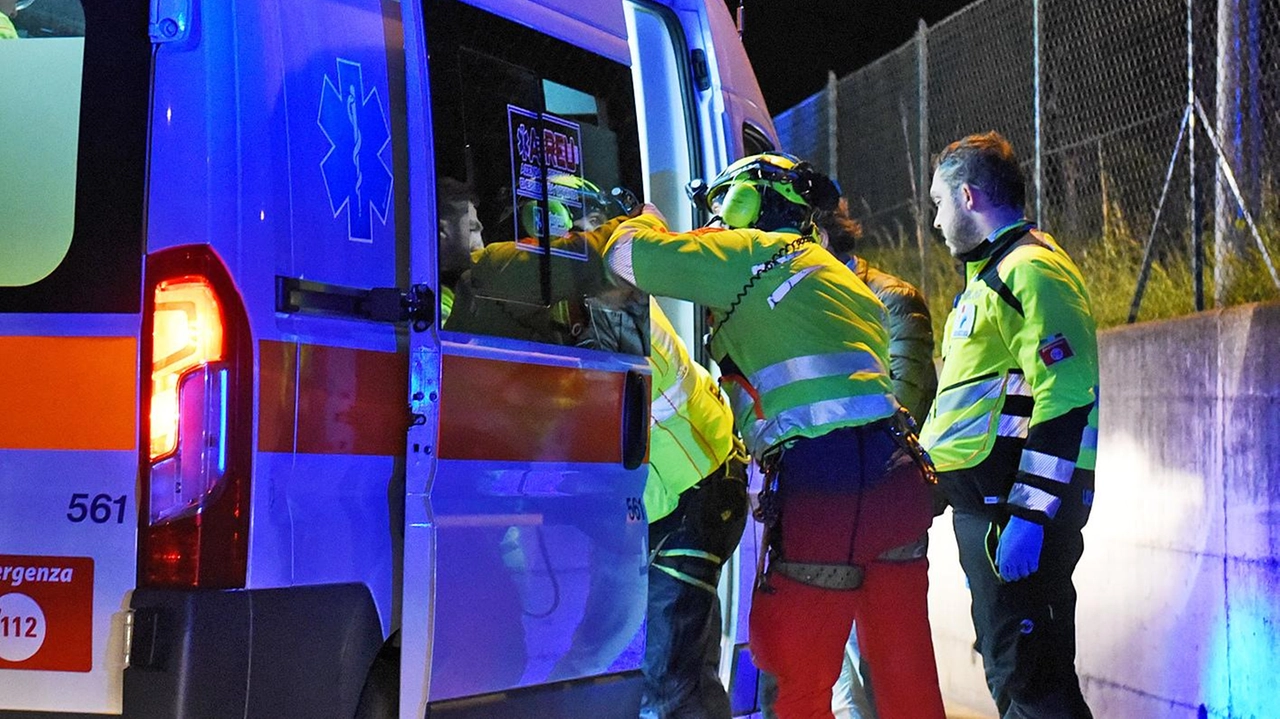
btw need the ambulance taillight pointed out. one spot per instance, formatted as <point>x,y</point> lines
<point>194,519</point>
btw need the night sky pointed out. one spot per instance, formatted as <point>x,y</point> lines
<point>793,43</point>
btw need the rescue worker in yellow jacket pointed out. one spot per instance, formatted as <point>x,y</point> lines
<point>696,502</point>
<point>915,381</point>
<point>804,352</point>
<point>1013,430</point>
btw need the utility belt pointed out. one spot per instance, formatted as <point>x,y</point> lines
<point>844,577</point>
<point>900,425</point>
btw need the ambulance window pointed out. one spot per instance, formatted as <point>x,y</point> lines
<point>41,51</point>
<point>531,137</point>
<point>754,141</point>
<point>71,192</point>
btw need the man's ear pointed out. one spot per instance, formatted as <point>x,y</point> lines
<point>443,228</point>
<point>968,194</point>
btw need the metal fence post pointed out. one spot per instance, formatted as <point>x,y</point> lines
<point>833,126</point>
<point>1037,111</point>
<point>1226,240</point>
<point>1197,240</point>
<point>925,175</point>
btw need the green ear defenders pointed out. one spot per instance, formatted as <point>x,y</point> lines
<point>735,195</point>
<point>566,192</point>
<point>531,219</point>
<point>740,206</point>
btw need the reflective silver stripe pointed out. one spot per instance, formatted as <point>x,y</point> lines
<point>813,367</point>
<point>1013,426</point>
<point>1089,439</point>
<point>1047,466</point>
<point>1037,500</point>
<point>966,396</point>
<point>765,266</point>
<point>671,399</point>
<point>972,427</point>
<point>783,289</point>
<point>619,256</point>
<point>1018,385</point>
<point>685,578</point>
<point>740,401</point>
<point>764,434</point>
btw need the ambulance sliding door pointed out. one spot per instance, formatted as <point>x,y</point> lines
<point>525,533</point>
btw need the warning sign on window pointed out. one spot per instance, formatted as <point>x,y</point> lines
<point>547,182</point>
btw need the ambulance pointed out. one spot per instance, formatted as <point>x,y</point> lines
<point>247,468</point>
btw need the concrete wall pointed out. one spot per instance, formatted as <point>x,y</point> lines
<point>1180,581</point>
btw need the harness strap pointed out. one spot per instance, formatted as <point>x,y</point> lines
<point>687,579</point>
<point>694,553</point>
<point>902,428</point>
<point>908,552</point>
<point>746,386</point>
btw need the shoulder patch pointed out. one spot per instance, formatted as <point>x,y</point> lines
<point>1055,349</point>
<point>966,314</point>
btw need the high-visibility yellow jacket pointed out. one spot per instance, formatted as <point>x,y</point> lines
<point>690,426</point>
<point>1015,421</point>
<point>801,335</point>
<point>446,303</point>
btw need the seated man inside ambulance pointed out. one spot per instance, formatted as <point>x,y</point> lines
<point>460,236</point>
<point>509,293</point>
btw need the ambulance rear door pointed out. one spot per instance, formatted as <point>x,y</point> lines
<point>525,546</point>
<point>71,263</point>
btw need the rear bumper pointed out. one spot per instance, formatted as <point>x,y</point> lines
<point>293,652</point>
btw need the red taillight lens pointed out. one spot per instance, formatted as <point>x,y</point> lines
<point>186,339</point>
<point>195,484</point>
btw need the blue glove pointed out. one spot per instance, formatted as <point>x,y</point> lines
<point>1018,554</point>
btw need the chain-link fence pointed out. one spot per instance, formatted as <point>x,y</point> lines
<point>1108,101</point>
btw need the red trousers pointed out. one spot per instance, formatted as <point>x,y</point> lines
<point>798,634</point>
<point>842,501</point>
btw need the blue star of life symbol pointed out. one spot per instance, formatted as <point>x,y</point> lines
<point>355,175</point>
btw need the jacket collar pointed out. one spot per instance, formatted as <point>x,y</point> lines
<point>999,240</point>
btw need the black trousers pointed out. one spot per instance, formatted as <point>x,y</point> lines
<point>682,636</point>
<point>1026,629</point>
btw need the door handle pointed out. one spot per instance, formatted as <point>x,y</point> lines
<point>635,419</point>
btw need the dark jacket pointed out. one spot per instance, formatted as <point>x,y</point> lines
<point>911,368</point>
